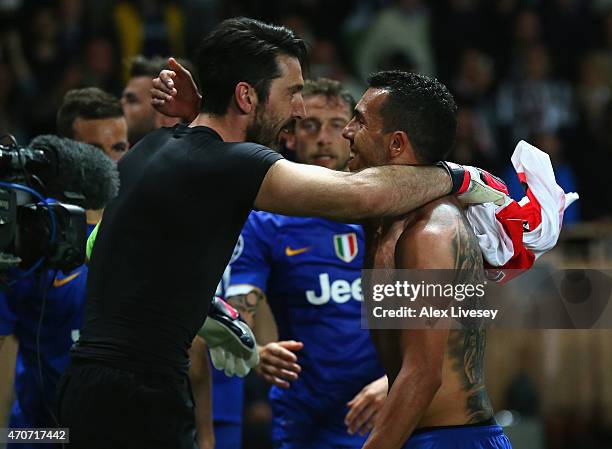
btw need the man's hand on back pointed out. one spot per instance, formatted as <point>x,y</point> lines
<point>175,93</point>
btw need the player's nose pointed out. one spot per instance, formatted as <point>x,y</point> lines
<point>298,108</point>
<point>349,130</point>
<point>324,137</point>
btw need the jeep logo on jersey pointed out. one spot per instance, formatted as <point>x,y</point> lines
<point>346,246</point>
<point>339,291</point>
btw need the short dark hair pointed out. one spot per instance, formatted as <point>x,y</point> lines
<point>150,67</point>
<point>89,103</point>
<point>330,89</point>
<point>423,108</point>
<point>242,49</point>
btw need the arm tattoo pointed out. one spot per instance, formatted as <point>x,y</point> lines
<point>248,302</point>
<point>467,347</point>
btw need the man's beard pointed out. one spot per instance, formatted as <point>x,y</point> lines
<point>263,130</point>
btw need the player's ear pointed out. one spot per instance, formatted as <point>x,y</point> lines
<point>246,97</point>
<point>399,145</point>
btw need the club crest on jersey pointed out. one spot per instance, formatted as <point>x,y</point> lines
<point>346,246</point>
<point>237,249</point>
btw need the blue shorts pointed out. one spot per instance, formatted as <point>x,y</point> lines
<point>228,435</point>
<point>311,428</point>
<point>320,438</point>
<point>462,437</point>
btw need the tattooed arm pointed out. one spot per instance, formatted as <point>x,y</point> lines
<point>433,241</point>
<point>277,360</point>
<point>247,304</point>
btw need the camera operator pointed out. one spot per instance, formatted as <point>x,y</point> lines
<point>45,311</point>
<point>93,116</point>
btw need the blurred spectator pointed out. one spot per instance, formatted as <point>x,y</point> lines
<point>590,143</point>
<point>567,32</point>
<point>149,28</point>
<point>607,29</point>
<point>200,16</point>
<point>11,110</point>
<point>325,59</point>
<point>593,146</point>
<point>498,24</point>
<point>98,17</point>
<point>533,102</point>
<point>474,143</point>
<point>325,63</point>
<point>521,394</point>
<point>594,87</point>
<point>457,25</point>
<point>95,117</point>
<point>355,26</point>
<point>10,6</point>
<point>100,65</point>
<point>527,33</point>
<point>323,16</point>
<point>606,41</point>
<point>47,71</point>
<point>472,87</point>
<point>404,27</point>
<point>73,29</point>
<point>474,79</point>
<point>600,6</point>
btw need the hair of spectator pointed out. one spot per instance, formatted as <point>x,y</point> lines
<point>150,67</point>
<point>243,49</point>
<point>89,103</point>
<point>420,106</point>
<point>331,89</point>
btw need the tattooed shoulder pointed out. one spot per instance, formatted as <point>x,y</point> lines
<point>466,348</point>
<point>439,237</point>
<point>466,252</point>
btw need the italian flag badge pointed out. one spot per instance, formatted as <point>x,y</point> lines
<point>346,246</point>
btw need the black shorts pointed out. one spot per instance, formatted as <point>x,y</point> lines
<point>112,408</point>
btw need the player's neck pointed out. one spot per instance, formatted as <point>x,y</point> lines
<point>227,126</point>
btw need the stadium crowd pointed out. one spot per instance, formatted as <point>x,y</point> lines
<point>539,68</point>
